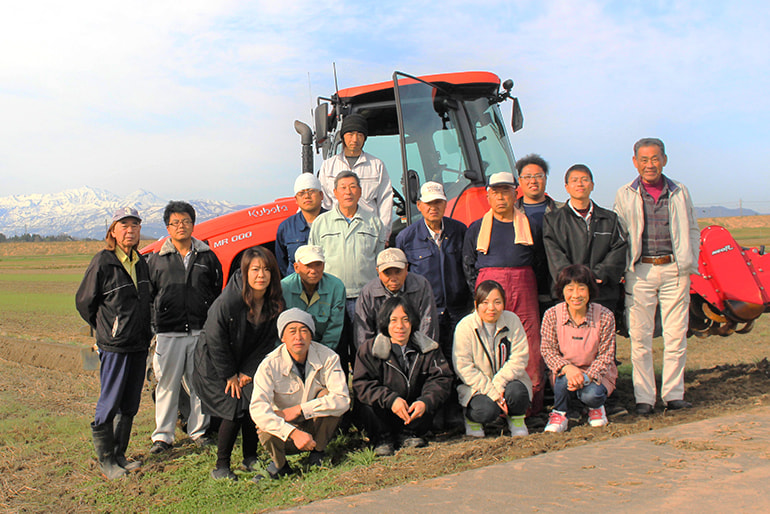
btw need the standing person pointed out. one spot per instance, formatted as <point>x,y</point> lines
<point>114,298</point>
<point>578,346</point>
<point>351,239</point>
<point>377,191</point>
<point>664,241</point>
<point>300,395</point>
<point>434,250</point>
<point>533,175</point>
<point>318,293</point>
<point>400,379</point>
<point>239,331</point>
<point>490,357</point>
<point>581,232</point>
<point>294,231</point>
<point>500,247</point>
<point>185,279</point>
<point>394,279</point>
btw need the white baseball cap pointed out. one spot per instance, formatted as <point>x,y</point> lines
<point>431,191</point>
<point>309,253</point>
<point>504,178</point>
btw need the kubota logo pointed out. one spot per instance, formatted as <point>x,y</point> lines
<point>266,211</point>
<point>725,248</point>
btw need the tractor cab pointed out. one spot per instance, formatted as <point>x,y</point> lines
<point>444,128</point>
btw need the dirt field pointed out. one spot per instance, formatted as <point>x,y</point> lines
<point>36,470</point>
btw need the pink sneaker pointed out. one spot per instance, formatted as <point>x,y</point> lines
<point>557,422</point>
<point>597,417</point>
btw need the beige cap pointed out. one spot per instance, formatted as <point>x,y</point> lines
<point>309,253</point>
<point>431,191</point>
<point>391,258</point>
<point>504,178</point>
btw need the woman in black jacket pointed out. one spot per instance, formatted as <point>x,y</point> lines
<point>239,331</point>
<point>114,298</point>
<point>400,379</point>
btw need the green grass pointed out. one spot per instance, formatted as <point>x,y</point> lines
<point>58,304</point>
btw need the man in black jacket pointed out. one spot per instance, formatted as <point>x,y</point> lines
<point>114,298</point>
<point>581,232</point>
<point>185,278</point>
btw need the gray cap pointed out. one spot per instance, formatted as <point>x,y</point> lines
<point>391,258</point>
<point>125,212</point>
<point>295,315</point>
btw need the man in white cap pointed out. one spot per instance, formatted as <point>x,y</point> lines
<point>294,231</point>
<point>394,279</point>
<point>500,247</point>
<point>434,248</point>
<point>300,393</point>
<point>377,191</point>
<point>318,293</point>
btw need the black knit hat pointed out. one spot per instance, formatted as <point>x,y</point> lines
<point>355,123</point>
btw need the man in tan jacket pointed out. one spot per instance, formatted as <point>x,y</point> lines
<point>300,393</point>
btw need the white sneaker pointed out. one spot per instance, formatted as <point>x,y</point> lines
<point>473,429</point>
<point>517,426</point>
<point>557,422</point>
<point>597,417</point>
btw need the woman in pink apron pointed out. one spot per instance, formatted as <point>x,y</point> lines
<point>578,346</point>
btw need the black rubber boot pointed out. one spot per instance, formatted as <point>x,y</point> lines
<point>123,426</point>
<point>104,443</point>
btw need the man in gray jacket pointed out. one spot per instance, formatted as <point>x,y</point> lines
<point>393,279</point>
<point>664,240</point>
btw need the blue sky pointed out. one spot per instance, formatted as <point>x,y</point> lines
<point>197,99</point>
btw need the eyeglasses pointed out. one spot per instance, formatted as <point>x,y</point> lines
<point>177,223</point>
<point>527,178</point>
<point>307,192</point>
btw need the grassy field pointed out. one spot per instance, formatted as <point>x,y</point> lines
<point>46,456</point>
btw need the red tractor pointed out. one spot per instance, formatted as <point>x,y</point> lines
<point>448,128</point>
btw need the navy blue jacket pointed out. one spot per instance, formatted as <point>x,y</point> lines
<point>293,232</point>
<point>443,267</point>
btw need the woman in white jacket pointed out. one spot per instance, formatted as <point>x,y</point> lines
<point>490,357</point>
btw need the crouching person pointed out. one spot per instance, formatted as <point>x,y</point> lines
<point>299,395</point>
<point>578,345</point>
<point>490,356</point>
<point>400,379</point>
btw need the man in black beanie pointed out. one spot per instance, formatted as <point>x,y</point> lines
<point>377,192</point>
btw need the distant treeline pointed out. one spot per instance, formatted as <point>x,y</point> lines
<point>37,238</point>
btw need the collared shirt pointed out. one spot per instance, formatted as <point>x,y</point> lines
<point>350,248</point>
<point>292,233</point>
<point>436,236</point>
<point>128,263</point>
<point>596,316</point>
<point>587,217</point>
<point>326,305</point>
<point>376,189</point>
<point>656,235</point>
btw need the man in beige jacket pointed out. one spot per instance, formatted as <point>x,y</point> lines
<point>300,393</point>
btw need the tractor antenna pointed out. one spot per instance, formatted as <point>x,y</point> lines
<point>336,86</point>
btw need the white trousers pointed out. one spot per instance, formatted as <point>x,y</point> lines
<point>646,287</point>
<point>173,364</point>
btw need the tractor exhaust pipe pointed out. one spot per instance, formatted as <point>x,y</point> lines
<point>306,134</point>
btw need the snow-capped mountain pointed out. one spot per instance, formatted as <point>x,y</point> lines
<point>87,212</point>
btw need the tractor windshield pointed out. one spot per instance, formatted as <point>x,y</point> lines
<point>449,138</point>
